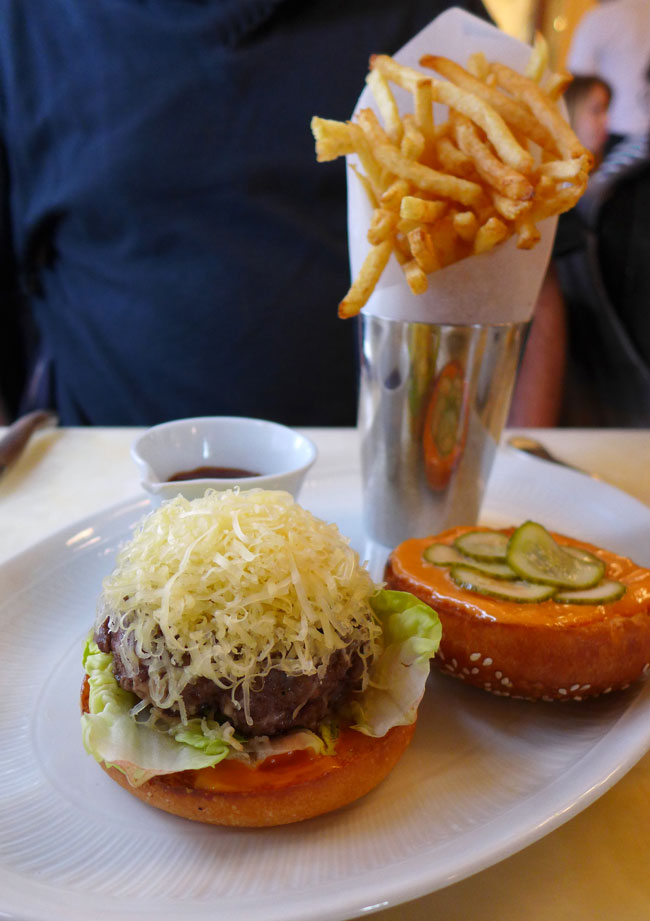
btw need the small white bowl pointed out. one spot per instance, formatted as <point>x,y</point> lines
<point>277,457</point>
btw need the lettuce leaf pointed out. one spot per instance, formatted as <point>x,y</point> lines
<point>113,733</point>
<point>412,634</point>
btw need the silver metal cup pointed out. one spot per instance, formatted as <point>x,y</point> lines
<point>432,405</point>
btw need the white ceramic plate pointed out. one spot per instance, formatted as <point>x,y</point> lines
<point>483,777</point>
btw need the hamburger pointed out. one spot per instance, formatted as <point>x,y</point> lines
<point>530,613</point>
<point>244,669</point>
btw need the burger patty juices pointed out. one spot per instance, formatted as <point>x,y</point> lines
<point>240,628</point>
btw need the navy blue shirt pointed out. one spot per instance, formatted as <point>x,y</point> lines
<point>179,246</point>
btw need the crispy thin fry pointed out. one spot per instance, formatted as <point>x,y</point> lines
<point>562,200</point>
<point>368,163</point>
<point>528,235</point>
<point>562,169</point>
<point>509,208</point>
<point>333,139</point>
<point>392,197</point>
<point>372,129</point>
<point>486,209</point>
<point>423,250</point>
<point>406,77</point>
<point>365,182</point>
<point>453,160</point>
<point>419,209</point>
<point>423,109</point>
<point>402,250</point>
<point>545,188</point>
<point>427,179</point>
<point>516,115</point>
<point>538,60</point>
<point>415,277</point>
<point>491,233</point>
<point>413,143</point>
<point>477,65</point>
<point>557,85</point>
<point>465,225</point>
<point>446,242</point>
<point>544,110</point>
<point>382,225</point>
<point>386,104</point>
<point>405,227</point>
<point>364,284</point>
<point>443,130</point>
<point>487,118</point>
<point>502,177</point>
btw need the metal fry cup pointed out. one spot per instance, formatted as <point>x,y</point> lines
<point>432,405</point>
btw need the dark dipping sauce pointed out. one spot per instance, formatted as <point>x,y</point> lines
<point>211,473</point>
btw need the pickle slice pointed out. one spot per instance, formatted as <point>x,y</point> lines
<point>448,555</point>
<point>524,592</point>
<point>490,546</point>
<point>604,593</point>
<point>581,554</point>
<point>535,556</point>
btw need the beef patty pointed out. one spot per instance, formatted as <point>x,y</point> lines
<point>278,702</point>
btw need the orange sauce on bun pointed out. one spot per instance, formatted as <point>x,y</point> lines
<point>544,650</point>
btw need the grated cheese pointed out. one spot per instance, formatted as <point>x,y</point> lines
<point>230,585</point>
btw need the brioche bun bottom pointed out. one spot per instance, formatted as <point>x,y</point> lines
<point>363,766</point>
<point>516,650</point>
<point>533,663</point>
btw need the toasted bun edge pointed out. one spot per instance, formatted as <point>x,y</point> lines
<point>535,661</point>
<point>373,761</point>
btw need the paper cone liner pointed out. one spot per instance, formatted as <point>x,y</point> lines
<point>500,286</point>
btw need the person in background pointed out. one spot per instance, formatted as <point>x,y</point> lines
<point>541,386</point>
<point>164,218</point>
<point>541,381</point>
<point>588,99</point>
<point>605,279</point>
<point>612,41</point>
<point>587,360</point>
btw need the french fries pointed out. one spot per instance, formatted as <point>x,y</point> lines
<point>517,116</point>
<point>505,179</point>
<point>542,108</point>
<point>538,60</point>
<point>420,210</point>
<point>503,160</point>
<point>364,284</point>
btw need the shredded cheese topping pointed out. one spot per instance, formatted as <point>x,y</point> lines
<point>230,585</point>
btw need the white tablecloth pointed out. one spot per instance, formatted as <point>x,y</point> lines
<point>594,867</point>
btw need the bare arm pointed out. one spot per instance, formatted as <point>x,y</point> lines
<point>539,387</point>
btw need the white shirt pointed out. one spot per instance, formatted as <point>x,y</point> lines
<point>612,40</point>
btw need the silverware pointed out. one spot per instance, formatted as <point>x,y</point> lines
<point>15,439</point>
<point>537,449</point>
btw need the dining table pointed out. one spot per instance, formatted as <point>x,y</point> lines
<point>595,865</point>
